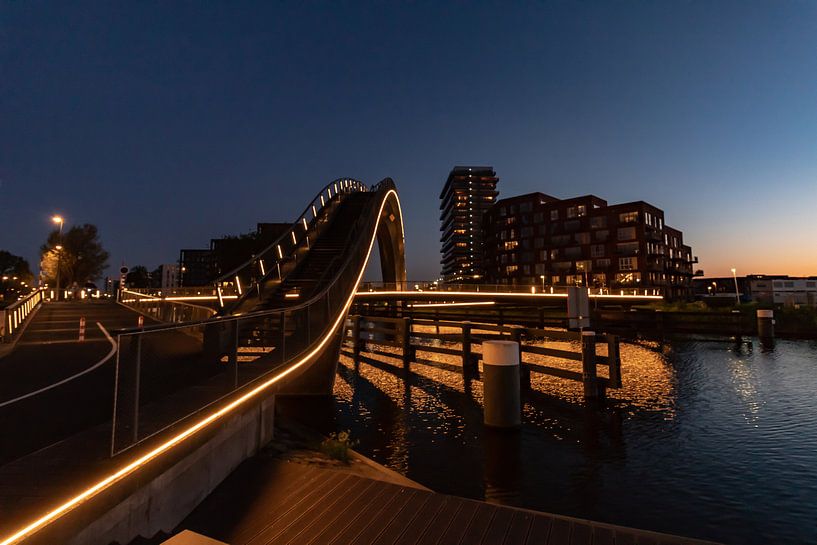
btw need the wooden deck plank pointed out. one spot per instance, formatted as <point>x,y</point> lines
<point>581,534</point>
<point>559,532</point>
<point>293,504</point>
<point>519,528</point>
<point>624,538</point>
<point>539,530</point>
<point>415,532</point>
<point>499,526</point>
<point>404,519</point>
<point>439,524</point>
<point>354,526</point>
<point>603,536</point>
<point>356,510</point>
<point>479,523</point>
<point>455,530</point>
<point>374,526</point>
<point>322,513</point>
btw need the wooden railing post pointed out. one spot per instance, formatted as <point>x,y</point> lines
<point>524,370</point>
<point>614,359</point>
<point>356,336</point>
<point>589,378</point>
<point>408,351</point>
<point>469,365</point>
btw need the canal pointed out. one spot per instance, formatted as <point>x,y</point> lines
<point>714,440</point>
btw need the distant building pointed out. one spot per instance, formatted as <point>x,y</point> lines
<point>196,267</point>
<point>783,290</point>
<point>467,194</point>
<point>539,240</point>
<point>199,267</point>
<point>168,276</point>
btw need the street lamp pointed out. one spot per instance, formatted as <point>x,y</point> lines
<point>737,291</point>
<point>60,221</point>
<point>543,282</point>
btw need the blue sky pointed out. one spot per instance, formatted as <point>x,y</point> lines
<point>167,124</point>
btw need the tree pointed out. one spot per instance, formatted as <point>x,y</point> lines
<point>15,276</point>
<point>138,277</point>
<point>81,258</point>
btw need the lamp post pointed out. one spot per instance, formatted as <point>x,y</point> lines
<point>737,291</point>
<point>60,221</point>
<point>543,282</point>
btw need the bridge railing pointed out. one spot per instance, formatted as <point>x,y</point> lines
<point>15,315</point>
<point>436,286</point>
<point>157,366</point>
<point>281,255</point>
<point>163,309</point>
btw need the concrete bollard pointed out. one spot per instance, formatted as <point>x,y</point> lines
<point>765,324</point>
<point>502,401</point>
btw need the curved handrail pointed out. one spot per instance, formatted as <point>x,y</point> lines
<point>289,241</point>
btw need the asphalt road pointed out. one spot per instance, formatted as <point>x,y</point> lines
<point>49,353</point>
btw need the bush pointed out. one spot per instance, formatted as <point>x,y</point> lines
<point>337,446</point>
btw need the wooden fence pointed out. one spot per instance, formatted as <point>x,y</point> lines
<point>399,333</point>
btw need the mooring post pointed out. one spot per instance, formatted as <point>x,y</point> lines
<point>524,371</point>
<point>765,325</point>
<point>502,400</point>
<point>591,391</point>
<point>408,351</point>
<point>614,359</point>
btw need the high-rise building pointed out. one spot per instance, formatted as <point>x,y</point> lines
<point>540,240</point>
<point>467,194</point>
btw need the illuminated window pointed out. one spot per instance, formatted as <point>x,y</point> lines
<point>510,245</point>
<point>581,210</point>
<point>554,215</point>
<point>510,269</point>
<point>571,212</point>
<point>628,217</point>
<point>598,222</point>
<point>627,263</point>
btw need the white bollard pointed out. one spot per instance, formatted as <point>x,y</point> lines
<point>502,401</point>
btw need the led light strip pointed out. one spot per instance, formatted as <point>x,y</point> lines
<point>475,303</point>
<point>442,293</point>
<point>105,483</point>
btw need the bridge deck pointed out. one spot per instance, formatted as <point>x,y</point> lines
<point>287,502</point>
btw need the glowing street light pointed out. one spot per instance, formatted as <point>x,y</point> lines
<point>61,222</point>
<point>543,282</point>
<point>737,291</point>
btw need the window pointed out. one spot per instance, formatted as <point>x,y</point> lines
<point>571,212</point>
<point>778,284</point>
<point>628,278</point>
<point>510,269</point>
<point>628,217</point>
<point>625,233</point>
<point>602,235</point>
<point>597,250</point>
<point>562,266</point>
<point>510,221</point>
<point>572,225</point>
<point>788,284</point>
<point>602,263</point>
<point>582,238</point>
<point>510,245</point>
<point>554,254</point>
<point>574,279</point>
<point>809,284</point>
<point>503,211</point>
<point>600,278</point>
<point>543,255</point>
<point>627,263</point>
<point>584,266</point>
<point>581,210</point>
<point>527,232</point>
<point>573,251</point>
<point>598,222</point>
<point>540,268</point>
<point>526,270</point>
<point>554,215</point>
<point>538,217</point>
<point>526,243</point>
<point>543,229</point>
<point>555,280</point>
<point>560,240</point>
<point>627,248</point>
<point>526,207</point>
<point>539,242</point>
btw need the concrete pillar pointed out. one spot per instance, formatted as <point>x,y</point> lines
<point>502,401</point>
<point>765,325</point>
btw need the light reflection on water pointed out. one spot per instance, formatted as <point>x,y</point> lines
<point>710,440</point>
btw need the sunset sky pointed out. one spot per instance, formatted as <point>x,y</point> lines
<point>167,124</point>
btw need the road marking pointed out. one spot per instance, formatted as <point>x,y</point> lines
<point>69,379</point>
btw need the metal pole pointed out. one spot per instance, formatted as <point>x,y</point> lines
<point>737,290</point>
<point>136,389</point>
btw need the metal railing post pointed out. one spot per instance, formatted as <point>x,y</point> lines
<point>137,388</point>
